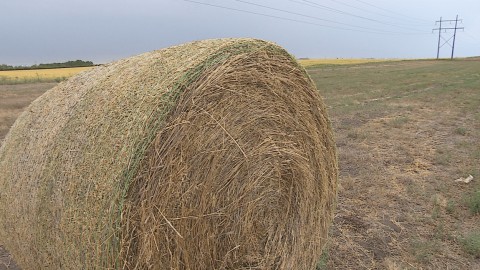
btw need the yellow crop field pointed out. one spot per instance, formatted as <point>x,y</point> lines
<point>341,61</point>
<point>40,74</point>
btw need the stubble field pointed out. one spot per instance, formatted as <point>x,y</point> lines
<point>405,131</point>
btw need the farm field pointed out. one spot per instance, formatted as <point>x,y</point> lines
<point>405,131</point>
<point>14,99</point>
<point>60,74</point>
<point>341,61</point>
<point>38,75</point>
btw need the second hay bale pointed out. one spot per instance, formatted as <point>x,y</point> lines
<point>214,154</point>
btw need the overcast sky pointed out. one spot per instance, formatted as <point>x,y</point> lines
<point>34,31</point>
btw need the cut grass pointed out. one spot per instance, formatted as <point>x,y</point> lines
<point>422,124</point>
<point>450,208</point>
<point>399,121</point>
<point>443,157</point>
<point>424,250</point>
<point>471,243</point>
<point>356,135</point>
<point>473,202</point>
<point>461,131</point>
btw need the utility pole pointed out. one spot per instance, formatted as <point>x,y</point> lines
<point>439,36</point>
<point>446,41</point>
<point>454,35</point>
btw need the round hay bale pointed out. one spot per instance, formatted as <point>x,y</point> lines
<point>216,154</point>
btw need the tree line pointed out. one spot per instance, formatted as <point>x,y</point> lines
<point>68,64</point>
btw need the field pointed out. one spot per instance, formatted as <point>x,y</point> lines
<point>60,74</point>
<point>340,61</point>
<point>14,99</point>
<point>38,75</point>
<point>405,131</point>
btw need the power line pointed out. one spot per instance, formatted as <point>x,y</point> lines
<point>294,20</point>
<point>372,12</point>
<point>315,5</point>
<point>319,6</point>
<point>302,15</point>
<point>273,16</point>
<point>390,11</point>
<point>472,36</point>
<point>321,19</point>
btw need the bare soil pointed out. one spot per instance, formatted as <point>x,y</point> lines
<point>405,131</point>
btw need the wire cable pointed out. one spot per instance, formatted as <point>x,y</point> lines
<point>319,6</point>
<point>271,16</point>
<point>390,11</point>
<point>365,30</point>
<point>477,39</point>
<point>304,15</point>
<point>376,13</point>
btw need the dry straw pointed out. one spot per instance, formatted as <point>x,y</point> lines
<point>215,154</point>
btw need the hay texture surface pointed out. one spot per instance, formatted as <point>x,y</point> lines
<point>216,154</point>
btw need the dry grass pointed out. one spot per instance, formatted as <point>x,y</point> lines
<point>400,150</point>
<point>212,155</point>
